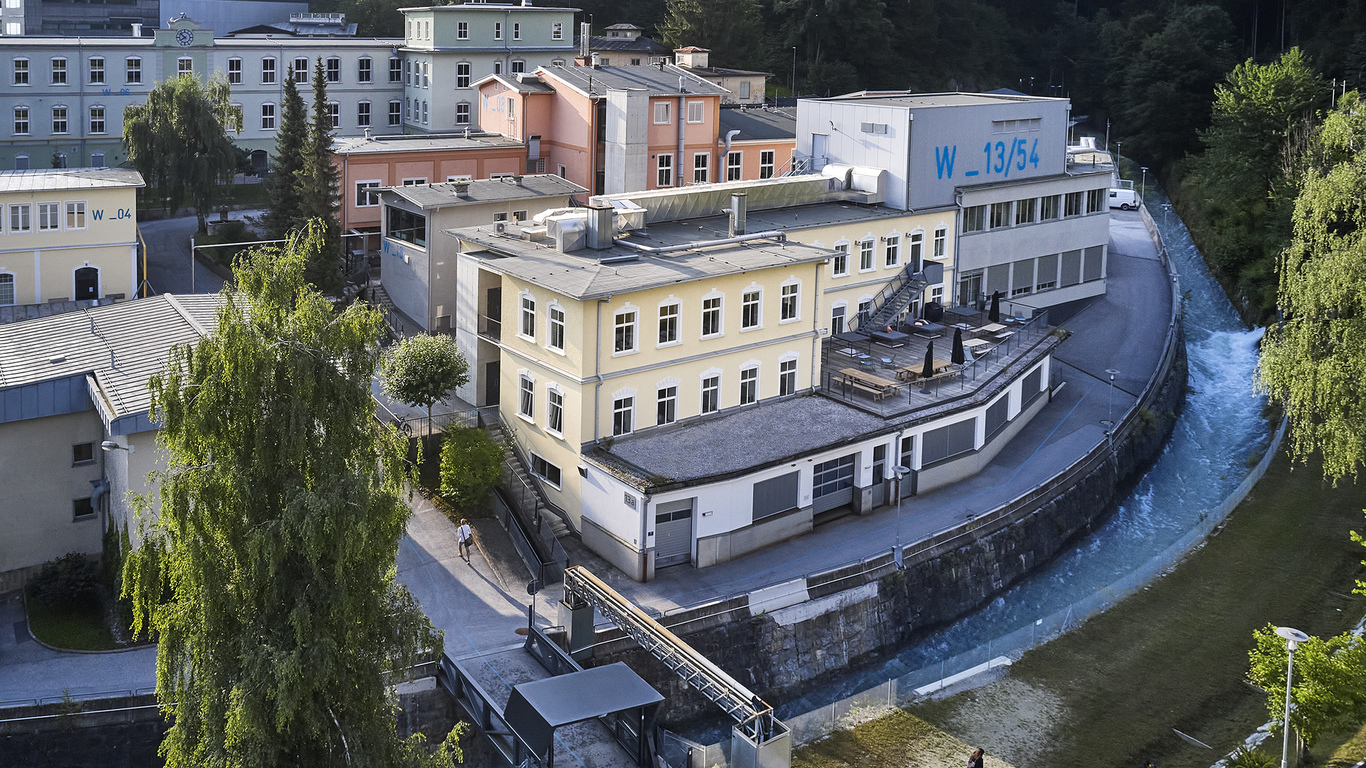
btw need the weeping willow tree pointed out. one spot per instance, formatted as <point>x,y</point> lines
<point>267,573</point>
<point>178,140</point>
<point>1315,362</point>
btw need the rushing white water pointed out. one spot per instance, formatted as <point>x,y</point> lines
<point>1217,438</point>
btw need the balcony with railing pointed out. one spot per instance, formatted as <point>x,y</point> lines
<point>895,372</point>
<point>490,328</point>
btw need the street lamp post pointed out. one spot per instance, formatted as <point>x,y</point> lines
<point>900,473</point>
<point>1143,186</point>
<point>1293,637</point>
<point>794,71</point>
<point>1110,405</point>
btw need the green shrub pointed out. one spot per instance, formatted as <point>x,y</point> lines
<point>1251,758</point>
<point>470,462</point>
<point>67,580</point>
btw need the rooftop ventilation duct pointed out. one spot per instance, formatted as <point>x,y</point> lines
<point>739,210</point>
<point>601,227</point>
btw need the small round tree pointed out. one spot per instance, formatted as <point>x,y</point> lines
<point>420,371</point>
<point>470,462</point>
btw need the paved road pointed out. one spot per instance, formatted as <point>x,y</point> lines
<point>168,257</point>
<point>480,607</point>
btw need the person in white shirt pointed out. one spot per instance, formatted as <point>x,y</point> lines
<point>466,537</point>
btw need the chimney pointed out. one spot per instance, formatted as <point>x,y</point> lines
<point>137,30</point>
<point>462,189</point>
<point>585,38</point>
<point>367,134</point>
<point>597,61</point>
<point>602,224</point>
<point>739,211</point>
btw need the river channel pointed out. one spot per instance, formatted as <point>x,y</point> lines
<point>1217,438</point>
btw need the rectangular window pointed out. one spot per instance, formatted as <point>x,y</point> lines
<point>557,31</point>
<point>59,71</point>
<point>21,125</point>
<point>662,112</point>
<point>1072,204</point>
<point>334,113</point>
<point>711,317</point>
<point>917,243</point>
<point>1024,211</point>
<point>1095,200</point>
<point>97,70</point>
<point>333,69</point>
<point>942,443</point>
<point>6,289</point>
<point>554,411</point>
<point>518,66</point>
<point>624,335</point>
<point>75,214</point>
<point>82,508</point>
<point>697,111</point>
<point>974,218</point>
<point>1000,215</point>
<point>395,70</point>
<point>749,310</point>
<point>516,30</point>
<point>941,241</point>
<point>734,166</point>
<point>526,401</point>
<point>892,256</point>
<point>268,71</point>
<point>787,306</point>
<point>364,73</point>
<point>1049,206</point>
<point>527,328</point>
<point>363,114</point>
<point>47,217</point>
<point>711,394</point>
<point>462,75</point>
<point>235,71</point>
<point>766,164</point>
<point>462,113</point>
<point>497,30</point>
<point>184,66</point>
<point>623,415</point>
<point>498,67</point>
<point>19,217</point>
<point>21,71</point>
<point>424,113</point>
<point>367,194</point>
<point>555,332</point>
<point>462,30</point>
<point>699,167</point>
<point>407,226</point>
<point>865,255</point>
<point>59,120</point>
<point>395,113</point>
<point>301,69</point>
<point>666,411</point>
<point>749,386</point>
<point>787,377</point>
<point>664,170</point>
<point>267,117</point>
<point>668,324</point>
<point>840,263</point>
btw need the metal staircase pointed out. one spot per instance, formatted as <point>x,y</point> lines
<point>896,296</point>
<point>518,481</point>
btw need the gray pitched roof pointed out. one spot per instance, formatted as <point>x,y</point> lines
<point>445,194</point>
<point>356,145</point>
<point>759,123</point>
<point>595,81</point>
<point>53,179</point>
<point>627,45</point>
<point>121,345</point>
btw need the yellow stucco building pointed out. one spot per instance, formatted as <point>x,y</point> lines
<point>68,234</point>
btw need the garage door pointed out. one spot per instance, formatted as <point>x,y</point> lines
<point>673,533</point>
<point>833,484</point>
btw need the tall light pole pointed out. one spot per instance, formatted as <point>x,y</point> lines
<point>1293,637</point>
<point>1143,186</point>
<point>794,71</point>
<point>1110,405</point>
<point>900,473</point>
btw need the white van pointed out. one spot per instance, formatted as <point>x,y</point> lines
<point>1124,199</point>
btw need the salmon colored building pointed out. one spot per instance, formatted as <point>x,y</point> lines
<point>368,164</point>
<point>612,128</point>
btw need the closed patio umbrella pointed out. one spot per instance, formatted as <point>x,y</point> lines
<point>928,370</point>
<point>958,356</point>
<point>995,314</point>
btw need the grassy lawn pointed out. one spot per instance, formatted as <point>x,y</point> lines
<point>900,740</point>
<point>1174,656</point>
<point>80,626</point>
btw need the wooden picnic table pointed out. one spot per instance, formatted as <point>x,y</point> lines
<point>877,386</point>
<point>992,328</point>
<point>973,343</point>
<point>912,372</point>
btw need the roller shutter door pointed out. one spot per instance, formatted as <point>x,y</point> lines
<point>673,533</point>
<point>833,484</point>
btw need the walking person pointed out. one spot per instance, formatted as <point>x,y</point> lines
<point>466,537</point>
<point>975,761</point>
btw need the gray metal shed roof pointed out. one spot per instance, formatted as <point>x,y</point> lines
<point>55,179</point>
<point>595,81</point>
<point>537,708</point>
<point>122,345</point>
<point>442,195</point>
<point>928,100</point>
<point>360,145</point>
<point>757,123</point>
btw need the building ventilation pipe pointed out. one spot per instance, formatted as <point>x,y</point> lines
<point>597,61</point>
<point>601,226</point>
<point>661,250</point>
<point>739,210</point>
<point>730,137</point>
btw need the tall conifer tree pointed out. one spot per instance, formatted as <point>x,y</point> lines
<point>317,187</point>
<point>291,138</point>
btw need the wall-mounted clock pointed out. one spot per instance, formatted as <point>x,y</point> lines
<point>185,37</point>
